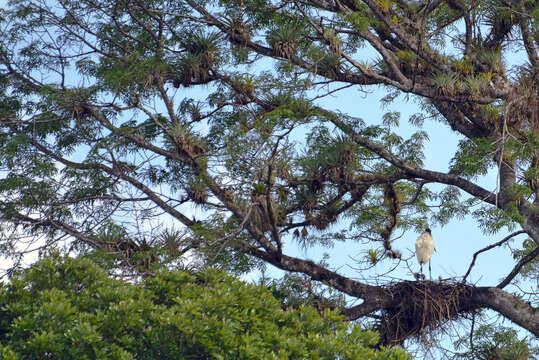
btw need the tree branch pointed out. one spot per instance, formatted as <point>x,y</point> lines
<point>318,273</point>
<point>60,225</point>
<point>513,308</point>
<point>526,259</point>
<point>527,39</point>
<point>136,183</point>
<point>449,179</point>
<point>499,243</point>
<point>363,309</point>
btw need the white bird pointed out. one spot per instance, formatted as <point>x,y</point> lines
<point>424,248</point>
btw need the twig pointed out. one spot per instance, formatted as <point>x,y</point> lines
<point>505,239</point>
<point>471,333</point>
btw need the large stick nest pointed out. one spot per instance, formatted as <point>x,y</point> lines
<point>422,307</point>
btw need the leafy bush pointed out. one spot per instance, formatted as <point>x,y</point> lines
<point>66,308</point>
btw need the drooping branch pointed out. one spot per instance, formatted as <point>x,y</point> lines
<point>56,224</point>
<point>114,172</point>
<point>271,211</point>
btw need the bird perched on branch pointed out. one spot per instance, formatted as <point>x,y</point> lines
<point>424,247</point>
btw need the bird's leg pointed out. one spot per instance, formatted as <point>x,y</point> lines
<point>422,276</point>
<point>430,275</point>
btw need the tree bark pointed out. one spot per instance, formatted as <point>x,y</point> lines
<point>513,308</point>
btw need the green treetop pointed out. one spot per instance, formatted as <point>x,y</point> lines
<point>64,308</point>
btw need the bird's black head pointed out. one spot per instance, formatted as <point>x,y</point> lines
<point>427,230</point>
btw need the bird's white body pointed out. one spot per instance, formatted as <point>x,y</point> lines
<point>424,247</point>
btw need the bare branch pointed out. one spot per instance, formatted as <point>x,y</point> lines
<point>499,243</point>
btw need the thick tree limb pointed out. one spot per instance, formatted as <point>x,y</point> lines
<point>531,222</point>
<point>513,308</point>
<point>530,47</point>
<point>457,120</point>
<point>367,307</point>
